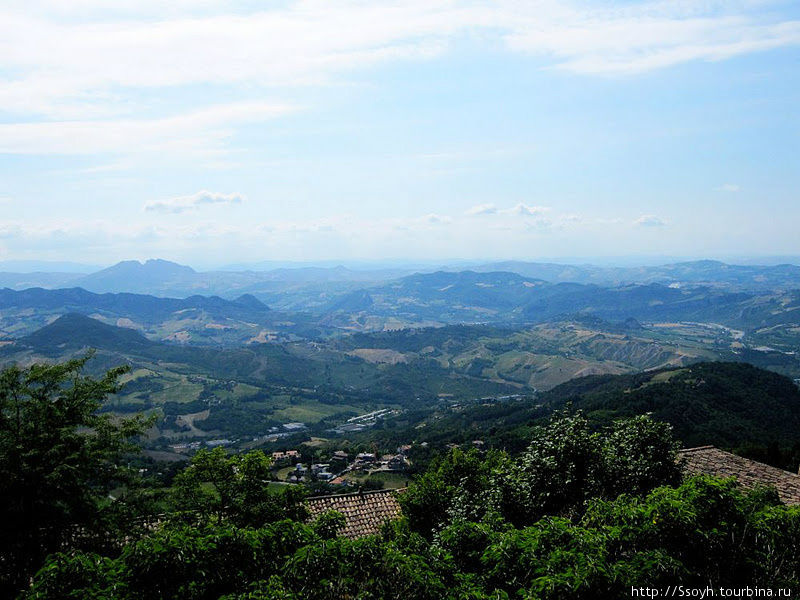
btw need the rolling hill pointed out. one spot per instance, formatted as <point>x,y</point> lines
<point>202,320</point>
<point>734,406</point>
<point>245,391</point>
<point>73,332</point>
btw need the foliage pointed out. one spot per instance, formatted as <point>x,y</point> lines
<point>58,460</point>
<point>234,487</point>
<point>730,405</point>
<point>725,404</point>
<point>565,464</point>
<point>705,531</point>
<point>581,513</point>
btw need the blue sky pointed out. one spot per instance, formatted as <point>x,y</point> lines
<point>220,132</point>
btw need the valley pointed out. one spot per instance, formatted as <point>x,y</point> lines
<point>239,370</point>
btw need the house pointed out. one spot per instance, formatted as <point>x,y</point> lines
<point>294,426</point>
<point>404,449</point>
<point>216,443</point>
<point>709,460</point>
<point>397,463</point>
<point>340,455</point>
<point>365,457</point>
<point>364,512</point>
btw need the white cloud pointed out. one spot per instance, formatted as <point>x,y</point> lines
<point>649,36</point>
<point>201,132</point>
<point>524,210</point>
<point>193,202</point>
<point>227,236</point>
<point>650,221</point>
<point>481,209</point>
<point>728,187</point>
<point>82,62</point>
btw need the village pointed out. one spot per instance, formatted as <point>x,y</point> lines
<point>342,469</point>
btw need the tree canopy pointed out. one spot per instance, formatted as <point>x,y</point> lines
<point>580,513</point>
<point>59,459</point>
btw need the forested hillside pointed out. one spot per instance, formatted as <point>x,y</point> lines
<point>580,512</point>
<point>730,405</point>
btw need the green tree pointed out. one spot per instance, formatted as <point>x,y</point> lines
<point>456,486</point>
<point>235,487</point>
<point>58,460</point>
<point>566,463</point>
<point>638,455</point>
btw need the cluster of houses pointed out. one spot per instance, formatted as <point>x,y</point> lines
<point>196,445</point>
<point>281,459</point>
<point>362,422</point>
<point>340,464</point>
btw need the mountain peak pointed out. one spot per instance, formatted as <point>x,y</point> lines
<point>76,330</point>
<point>250,301</point>
<point>134,276</point>
<point>152,265</point>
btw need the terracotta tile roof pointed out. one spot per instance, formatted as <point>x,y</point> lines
<point>364,512</point>
<point>749,473</point>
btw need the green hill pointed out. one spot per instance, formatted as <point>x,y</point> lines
<point>725,404</point>
<point>731,405</point>
<point>74,331</point>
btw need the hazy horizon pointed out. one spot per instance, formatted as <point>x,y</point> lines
<point>30,266</point>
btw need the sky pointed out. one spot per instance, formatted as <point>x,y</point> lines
<point>213,132</point>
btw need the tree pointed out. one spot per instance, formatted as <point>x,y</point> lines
<point>456,486</point>
<point>58,460</point>
<point>236,487</point>
<point>565,464</point>
<point>639,454</point>
<point>560,469</point>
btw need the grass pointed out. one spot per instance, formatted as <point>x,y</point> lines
<point>392,481</point>
<point>136,374</point>
<point>311,411</point>
<point>666,376</point>
<point>283,473</point>
<point>316,442</point>
<point>177,391</point>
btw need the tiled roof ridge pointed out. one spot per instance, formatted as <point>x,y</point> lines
<point>685,450</point>
<point>711,460</point>
<point>364,513</point>
<point>352,494</point>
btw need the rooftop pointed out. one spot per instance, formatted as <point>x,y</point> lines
<point>750,473</point>
<point>364,512</point>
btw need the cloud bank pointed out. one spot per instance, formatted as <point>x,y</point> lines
<point>650,221</point>
<point>193,202</point>
<point>68,65</point>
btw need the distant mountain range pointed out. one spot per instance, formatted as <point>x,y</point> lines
<point>165,278</point>
<point>418,300</point>
<point>503,297</point>
<point>706,272</point>
<point>197,319</point>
